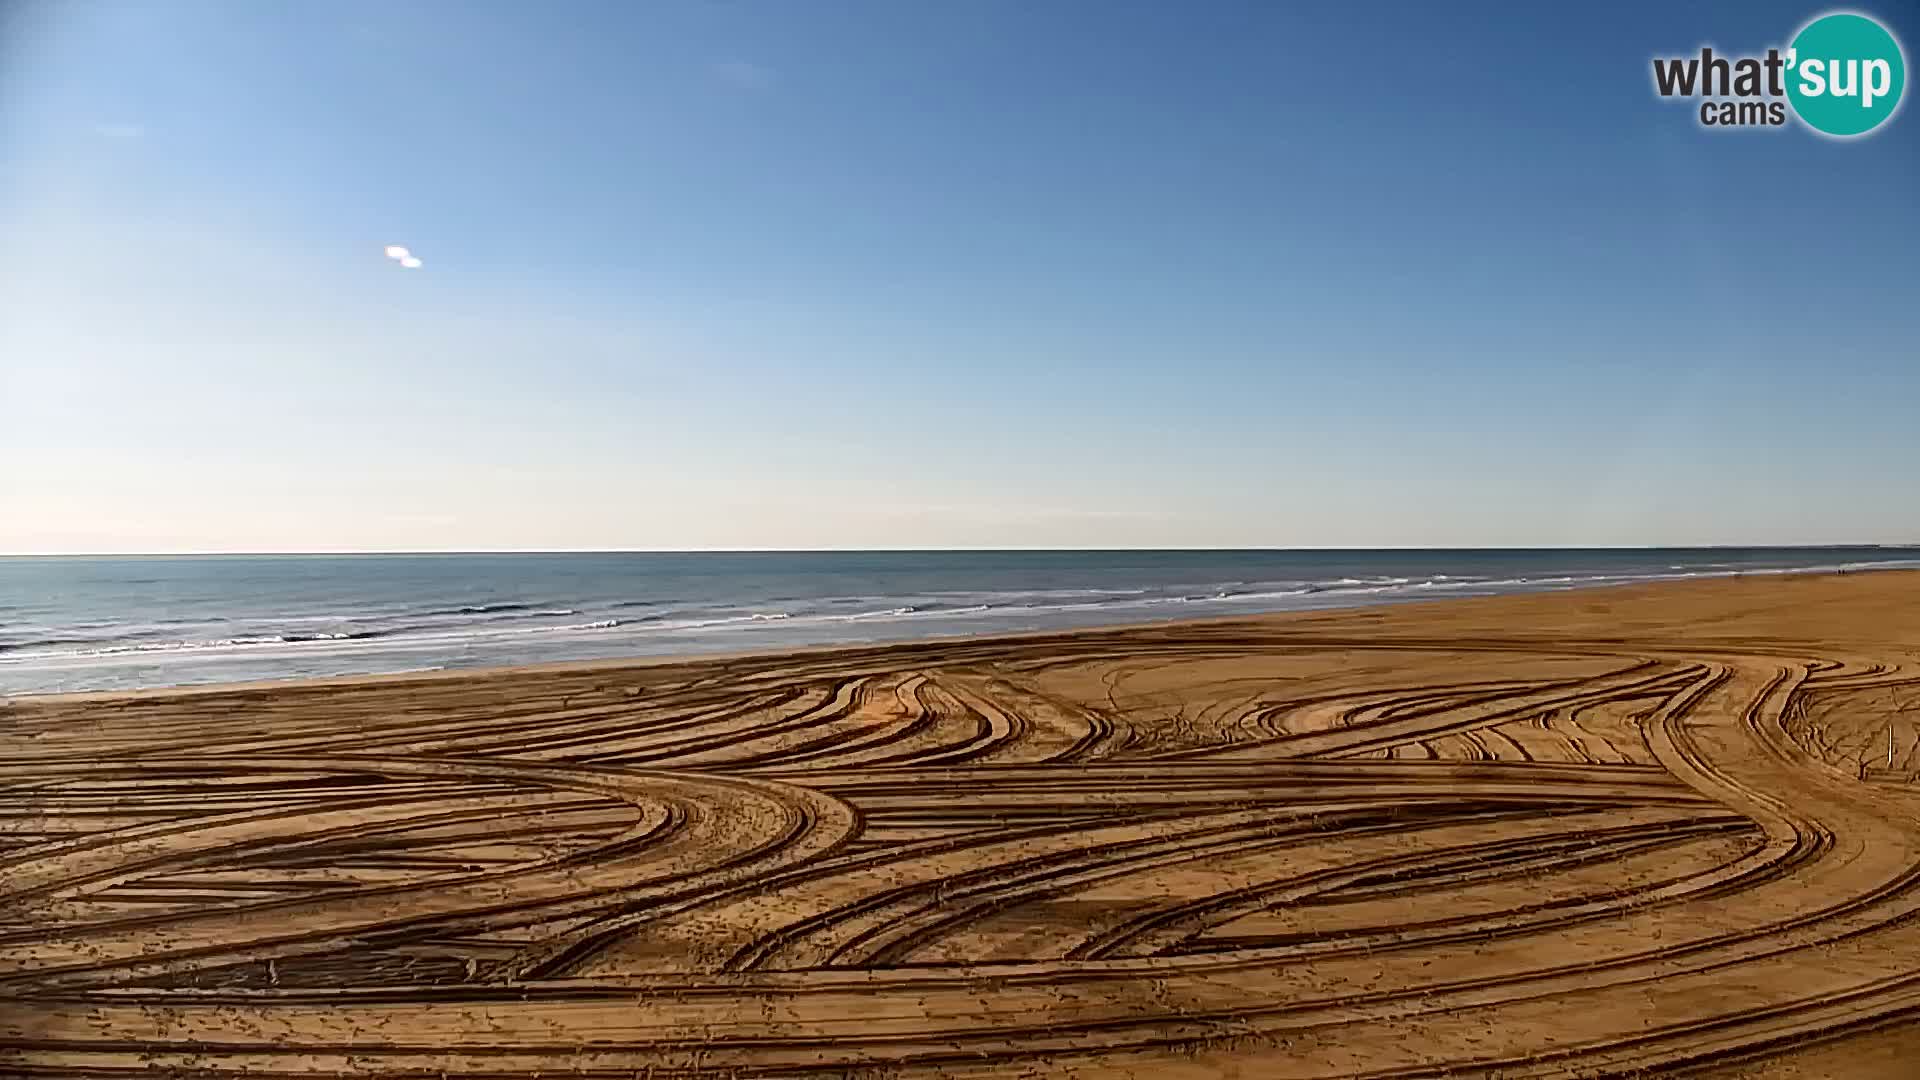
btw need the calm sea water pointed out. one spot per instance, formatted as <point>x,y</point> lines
<point>119,622</point>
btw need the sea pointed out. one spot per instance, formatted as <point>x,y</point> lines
<point>123,622</point>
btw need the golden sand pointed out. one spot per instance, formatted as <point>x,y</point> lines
<point>1595,833</point>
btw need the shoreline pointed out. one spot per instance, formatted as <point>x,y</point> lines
<point>94,626</point>
<point>1630,829</point>
<point>497,672</point>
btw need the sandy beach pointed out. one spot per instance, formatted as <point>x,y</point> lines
<point>1648,830</point>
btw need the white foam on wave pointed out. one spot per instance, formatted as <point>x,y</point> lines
<point>1009,609</point>
<point>893,612</point>
<point>302,642</point>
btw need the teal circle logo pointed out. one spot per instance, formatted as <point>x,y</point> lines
<point>1845,74</point>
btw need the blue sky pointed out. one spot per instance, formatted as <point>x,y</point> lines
<point>828,274</point>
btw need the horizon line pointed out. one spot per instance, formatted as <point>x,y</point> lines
<point>376,552</point>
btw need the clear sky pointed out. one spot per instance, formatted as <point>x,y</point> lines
<point>826,274</point>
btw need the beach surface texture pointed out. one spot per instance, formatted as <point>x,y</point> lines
<point>1645,830</point>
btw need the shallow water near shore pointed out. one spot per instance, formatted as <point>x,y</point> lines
<point>123,622</point>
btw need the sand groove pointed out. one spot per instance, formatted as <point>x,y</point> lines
<point>1482,838</point>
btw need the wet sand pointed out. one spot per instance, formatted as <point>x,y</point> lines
<point>1652,830</point>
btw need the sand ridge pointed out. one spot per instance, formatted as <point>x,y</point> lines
<point>1606,832</point>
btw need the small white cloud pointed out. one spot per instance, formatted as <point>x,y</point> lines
<point>395,251</point>
<point>119,131</point>
<point>744,75</point>
<point>410,263</point>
